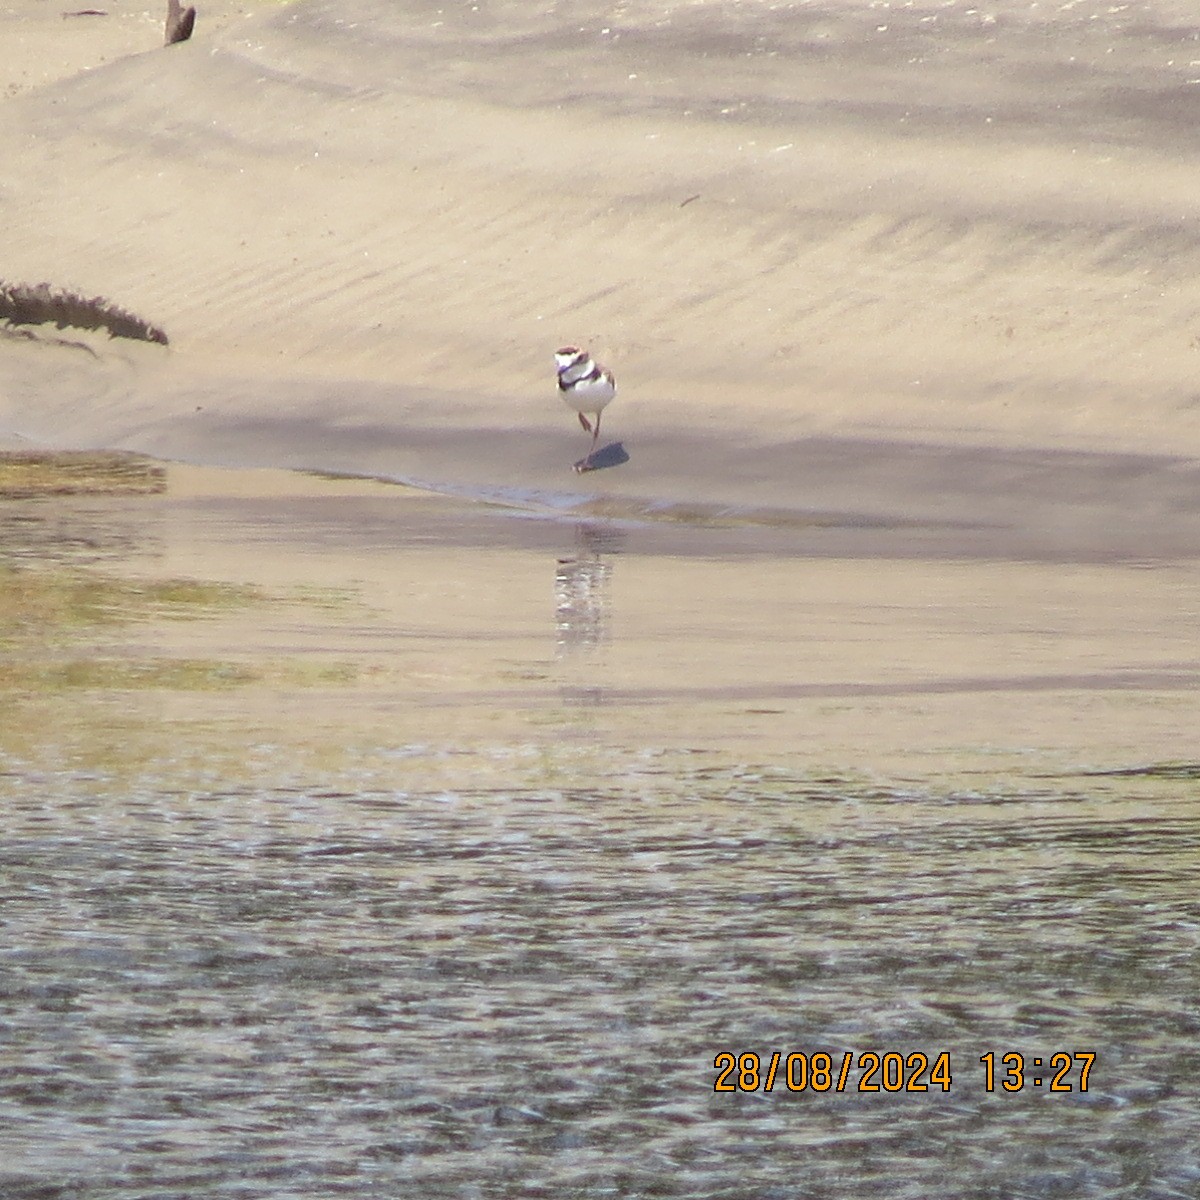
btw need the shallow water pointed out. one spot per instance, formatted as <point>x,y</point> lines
<point>493,945</point>
<point>523,991</point>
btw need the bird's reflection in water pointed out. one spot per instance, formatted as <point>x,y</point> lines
<point>581,609</point>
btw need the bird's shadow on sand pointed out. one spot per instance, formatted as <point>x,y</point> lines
<point>612,455</point>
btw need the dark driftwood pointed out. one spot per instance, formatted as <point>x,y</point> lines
<point>180,22</point>
<point>39,304</point>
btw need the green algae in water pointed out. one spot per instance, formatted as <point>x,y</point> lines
<point>181,674</point>
<point>25,474</point>
<point>122,674</point>
<point>56,603</point>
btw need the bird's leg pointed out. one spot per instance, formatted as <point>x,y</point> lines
<point>586,461</point>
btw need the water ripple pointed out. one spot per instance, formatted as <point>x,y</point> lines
<point>494,992</point>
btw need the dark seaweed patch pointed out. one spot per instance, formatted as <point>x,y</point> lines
<point>40,304</point>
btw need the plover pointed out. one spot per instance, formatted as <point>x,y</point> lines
<point>586,387</point>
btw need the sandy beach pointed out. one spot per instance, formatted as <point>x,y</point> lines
<point>911,285</point>
<point>390,810</point>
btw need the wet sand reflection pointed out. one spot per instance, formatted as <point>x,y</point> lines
<point>582,607</point>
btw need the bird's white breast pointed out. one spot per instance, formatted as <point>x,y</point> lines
<point>590,395</point>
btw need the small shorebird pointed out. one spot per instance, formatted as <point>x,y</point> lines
<point>586,387</point>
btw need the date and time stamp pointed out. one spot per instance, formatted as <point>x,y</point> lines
<point>1061,1071</point>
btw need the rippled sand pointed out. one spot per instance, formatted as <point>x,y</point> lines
<point>822,245</point>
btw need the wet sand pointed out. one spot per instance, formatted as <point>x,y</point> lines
<point>406,635</point>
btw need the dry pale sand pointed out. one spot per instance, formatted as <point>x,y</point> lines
<point>935,261</point>
<point>914,287</point>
